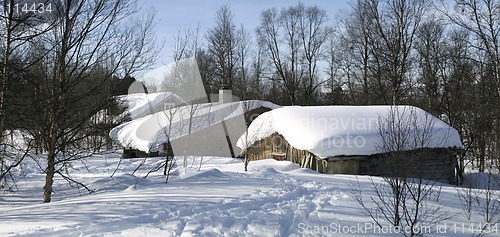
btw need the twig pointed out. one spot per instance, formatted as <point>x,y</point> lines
<point>69,179</point>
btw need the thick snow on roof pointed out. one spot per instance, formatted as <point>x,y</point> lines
<point>149,133</point>
<point>328,131</point>
<point>142,104</point>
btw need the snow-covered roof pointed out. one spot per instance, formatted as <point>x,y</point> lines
<point>142,104</point>
<point>149,133</point>
<point>328,131</point>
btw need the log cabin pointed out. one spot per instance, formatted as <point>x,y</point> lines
<point>207,129</point>
<point>358,140</point>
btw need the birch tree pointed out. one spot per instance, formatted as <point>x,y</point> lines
<point>17,31</point>
<point>89,37</point>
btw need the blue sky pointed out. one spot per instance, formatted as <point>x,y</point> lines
<point>175,15</point>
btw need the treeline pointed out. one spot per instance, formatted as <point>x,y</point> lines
<point>60,71</point>
<point>441,56</point>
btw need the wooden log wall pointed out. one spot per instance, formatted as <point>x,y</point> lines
<point>276,146</point>
<point>433,164</point>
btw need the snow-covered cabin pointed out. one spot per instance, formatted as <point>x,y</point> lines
<point>208,129</point>
<point>365,140</point>
<point>136,105</point>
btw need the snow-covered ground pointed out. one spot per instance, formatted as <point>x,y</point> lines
<point>274,198</point>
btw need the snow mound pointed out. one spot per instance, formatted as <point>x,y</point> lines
<point>304,171</point>
<point>328,131</point>
<point>281,166</point>
<point>211,174</point>
<point>131,188</point>
<point>480,180</point>
<point>117,183</point>
<point>268,172</point>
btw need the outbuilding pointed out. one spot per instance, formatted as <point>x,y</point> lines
<point>360,140</point>
<point>207,129</point>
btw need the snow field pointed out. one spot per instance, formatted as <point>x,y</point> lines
<point>275,198</point>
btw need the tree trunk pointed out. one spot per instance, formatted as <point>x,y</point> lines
<point>51,157</point>
<point>246,160</point>
<point>49,177</point>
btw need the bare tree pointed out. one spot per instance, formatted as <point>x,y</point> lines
<point>250,136</point>
<point>206,65</point>
<point>167,125</point>
<point>395,23</point>
<point>355,54</point>
<point>458,94</point>
<point>313,34</point>
<point>487,201</point>
<point>184,80</point>
<point>294,39</point>
<point>403,198</point>
<point>258,68</point>
<point>431,49</point>
<point>242,86</point>
<point>89,36</point>
<point>222,43</point>
<point>186,43</point>
<point>377,42</point>
<point>480,198</point>
<point>274,29</point>
<point>14,155</point>
<point>480,19</point>
<point>335,94</point>
<point>247,105</point>
<point>18,29</point>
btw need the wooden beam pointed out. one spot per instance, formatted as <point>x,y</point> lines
<point>228,139</point>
